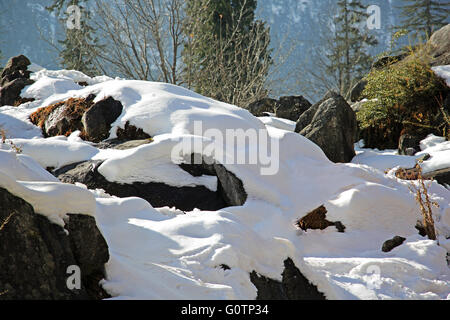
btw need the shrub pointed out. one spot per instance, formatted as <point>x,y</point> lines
<point>423,199</point>
<point>403,97</point>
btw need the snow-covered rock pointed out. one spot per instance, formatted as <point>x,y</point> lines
<point>162,253</point>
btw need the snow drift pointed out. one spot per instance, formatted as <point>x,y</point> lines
<point>162,253</point>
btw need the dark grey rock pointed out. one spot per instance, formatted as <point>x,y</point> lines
<point>230,190</point>
<point>35,254</point>
<point>388,60</point>
<point>332,126</point>
<point>305,119</point>
<point>261,107</point>
<point>10,92</point>
<point>97,120</point>
<point>230,187</point>
<point>390,244</point>
<point>408,141</point>
<point>157,194</point>
<point>289,107</point>
<point>17,63</point>
<point>357,90</point>
<point>13,79</point>
<point>438,47</point>
<point>293,286</point>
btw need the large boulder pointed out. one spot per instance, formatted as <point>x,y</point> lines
<point>262,107</point>
<point>291,107</point>
<point>92,119</point>
<point>230,191</point>
<point>286,107</point>
<point>230,187</point>
<point>35,254</point>
<point>14,78</point>
<point>293,286</point>
<point>438,47</point>
<point>15,68</point>
<point>331,124</point>
<point>97,119</point>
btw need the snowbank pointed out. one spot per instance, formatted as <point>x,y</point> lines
<point>279,123</point>
<point>22,177</point>
<point>163,254</point>
<point>443,72</point>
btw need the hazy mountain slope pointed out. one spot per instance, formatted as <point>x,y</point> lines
<point>21,25</point>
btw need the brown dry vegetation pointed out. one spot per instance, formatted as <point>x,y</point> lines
<point>130,132</point>
<point>73,112</point>
<point>423,199</point>
<point>316,220</point>
<point>20,101</point>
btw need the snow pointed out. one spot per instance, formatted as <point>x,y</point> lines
<point>151,163</point>
<point>162,253</point>
<point>279,123</point>
<point>443,72</point>
<point>25,179</point>
<point>55,152</point>
<point>437,147</point>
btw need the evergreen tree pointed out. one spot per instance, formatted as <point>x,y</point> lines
<point>80,46</point>
<point>227,54</point>
<point>423,17</point>
<point>349,59</point>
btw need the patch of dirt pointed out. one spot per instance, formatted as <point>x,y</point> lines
<point>316,220</point>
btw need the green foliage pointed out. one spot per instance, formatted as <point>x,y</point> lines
<point>79,49</point>
<point>405,96</point>
<point>349,57</point>
<point>423,17</point>
<point>227,54</point>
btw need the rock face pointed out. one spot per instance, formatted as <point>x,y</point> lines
<point>229,187</point>
<point>229,193</point>
<point>439,47</point>
<point>286,107</point>
<point>92,119</point>
<point>293,286</point>
<point>393,243</point>
<point>14,78</point>
<point>409,144</point>
<point>331,124</point>
<point>97,119</point>
<point>35,254</point>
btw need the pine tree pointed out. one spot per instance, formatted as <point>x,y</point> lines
<point>349,59</point>
<point>80,46</point>
<point>423,17</point>
<point>227,54</point>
